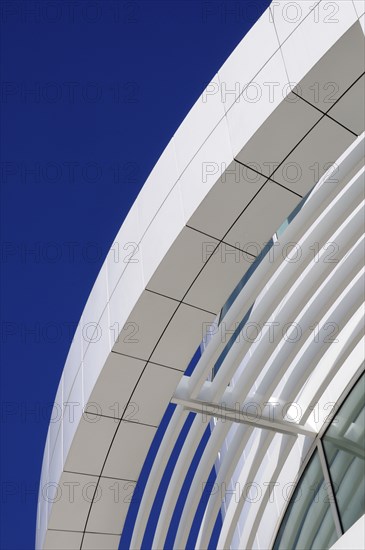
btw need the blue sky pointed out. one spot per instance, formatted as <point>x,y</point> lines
<point>91,93</point>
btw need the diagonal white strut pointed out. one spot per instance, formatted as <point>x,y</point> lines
<point>243,417</point>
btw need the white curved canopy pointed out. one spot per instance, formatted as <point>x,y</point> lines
<point>241,161</point>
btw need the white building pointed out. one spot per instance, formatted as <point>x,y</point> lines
<point>248,234</point>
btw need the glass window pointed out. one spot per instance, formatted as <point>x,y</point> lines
<point>344,446</point>
<point>308,522</point>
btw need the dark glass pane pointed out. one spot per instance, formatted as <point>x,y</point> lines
<point>344,445</point>
<point>308,522</point>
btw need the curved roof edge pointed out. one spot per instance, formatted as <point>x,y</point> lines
<point>155,283</point>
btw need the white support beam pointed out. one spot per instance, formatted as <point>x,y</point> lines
<point>235,415</point>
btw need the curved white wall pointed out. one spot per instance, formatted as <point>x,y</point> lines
<point>223,181</point>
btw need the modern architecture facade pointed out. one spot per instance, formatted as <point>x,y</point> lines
<point>213,395</point>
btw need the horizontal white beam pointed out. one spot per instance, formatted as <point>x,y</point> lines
<point>236,415</point>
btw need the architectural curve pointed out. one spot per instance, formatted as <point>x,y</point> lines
<point>269,127</point>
